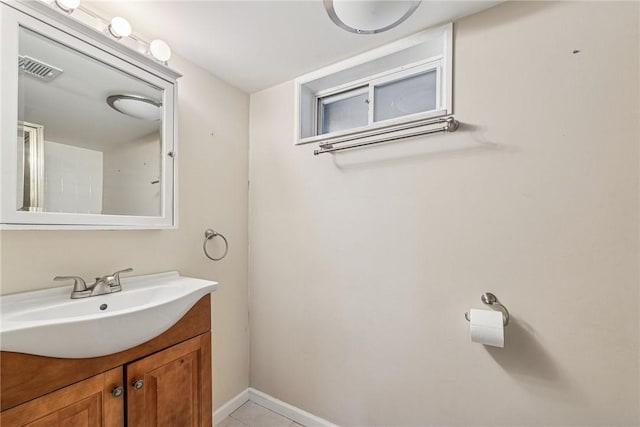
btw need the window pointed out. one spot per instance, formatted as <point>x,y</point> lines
<point>379,92</point>
<point>397,94</point>
<point>413,94</point>
<point>342,111</point>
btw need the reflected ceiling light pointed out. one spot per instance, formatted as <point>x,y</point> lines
<point>135,106</point>
<point>68,5</point>
<point>119,27</point>
<point>160,50</point>
<point>369,16</point>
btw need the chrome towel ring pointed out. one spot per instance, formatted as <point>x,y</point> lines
<point>210,234</point>
<point>490,299</point>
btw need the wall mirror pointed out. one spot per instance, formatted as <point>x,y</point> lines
<point>87,135</point>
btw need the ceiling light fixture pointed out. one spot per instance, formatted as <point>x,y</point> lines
<point>119,27</point>
<point>369,16</point>
<point>138,107</point>
<point>68,6</point>
<point>160,50</point>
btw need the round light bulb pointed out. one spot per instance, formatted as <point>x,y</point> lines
<point>160,50</point>
<point>68,5</point>
<point>119,27</point>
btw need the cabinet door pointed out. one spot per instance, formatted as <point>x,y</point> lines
<point>172,387</point>
<point>89,403</point>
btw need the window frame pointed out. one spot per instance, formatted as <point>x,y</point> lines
<point>335,97</point>
<point>369,85</point>
<point>437,44</point>
<point>400,75</point>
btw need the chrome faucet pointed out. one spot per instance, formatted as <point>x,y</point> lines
<point>103,285</point>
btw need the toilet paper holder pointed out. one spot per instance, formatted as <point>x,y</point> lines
<point>490,299</point>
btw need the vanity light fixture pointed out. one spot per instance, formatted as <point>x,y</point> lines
<point>138,107</point>
<point>119,27</point>
<point>160,50</point>
<point>67,6</point>
<point>369,16</point>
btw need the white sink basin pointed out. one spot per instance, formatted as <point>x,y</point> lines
<point>50,323</point>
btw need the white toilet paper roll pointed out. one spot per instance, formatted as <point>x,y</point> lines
<point>486,327</point>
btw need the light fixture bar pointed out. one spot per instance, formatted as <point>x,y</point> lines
<point>117,28</point>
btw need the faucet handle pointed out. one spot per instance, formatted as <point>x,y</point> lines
<point>79,286</point>
<point>116,275</point>
<point>78,282</point>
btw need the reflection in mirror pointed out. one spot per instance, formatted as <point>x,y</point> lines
<point>76,152</point>
<point>31,168</point>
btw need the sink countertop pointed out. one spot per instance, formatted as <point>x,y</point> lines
<point>49,323</point>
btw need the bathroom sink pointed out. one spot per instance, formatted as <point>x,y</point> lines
<point>49,323</point>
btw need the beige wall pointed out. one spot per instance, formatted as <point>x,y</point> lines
<point>212,161</point>
<point>362,264</point>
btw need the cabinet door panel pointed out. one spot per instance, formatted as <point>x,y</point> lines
<point>88,403</point>
<point>176,388</point>
<point>86,413</point>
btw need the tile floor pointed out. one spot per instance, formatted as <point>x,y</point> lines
<point>253,415</point>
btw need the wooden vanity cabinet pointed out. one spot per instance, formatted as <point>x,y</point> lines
<point>89,403</point>
<point>166,388</point>
<point>164,382</point>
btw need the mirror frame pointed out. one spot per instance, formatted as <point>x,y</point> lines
<point>39,17</point>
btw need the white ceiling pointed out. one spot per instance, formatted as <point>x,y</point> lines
<point>254,45</point>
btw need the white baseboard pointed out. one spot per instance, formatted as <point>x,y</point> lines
<point>278,406</point>
<point>227,409</point>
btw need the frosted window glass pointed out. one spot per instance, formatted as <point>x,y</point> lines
<point>411,95</point>
<point>345,113</point>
